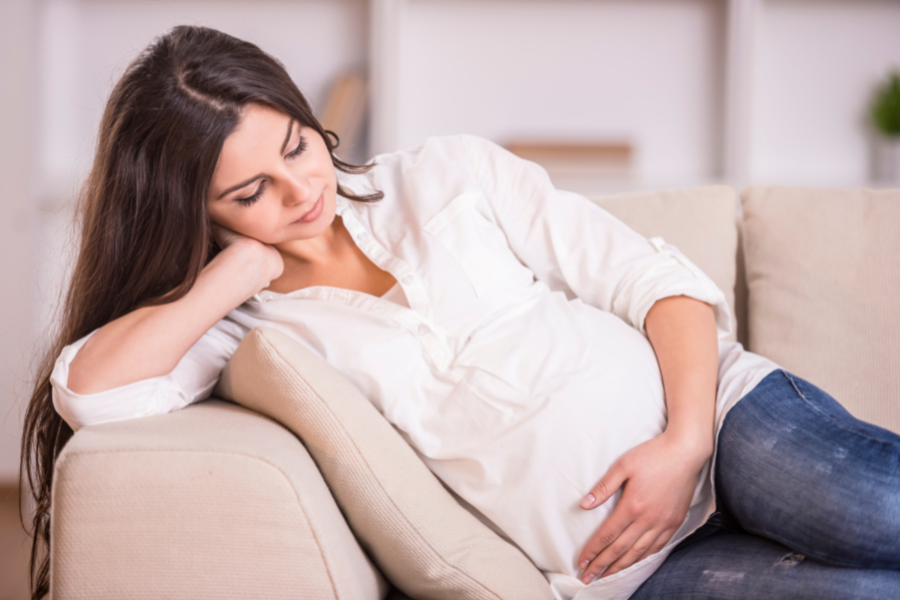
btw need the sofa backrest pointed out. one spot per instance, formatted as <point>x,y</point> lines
<point>823,280</point>
<point>700,221</point>
<point>812,276</point>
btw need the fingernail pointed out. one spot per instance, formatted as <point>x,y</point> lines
<point>588,579</point>
<point>588,501</point>
<point>583,564</point>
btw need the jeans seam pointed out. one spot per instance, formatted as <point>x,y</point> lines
<point>827,416</point>
<point>825,558</point>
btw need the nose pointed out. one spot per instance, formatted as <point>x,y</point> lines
<point>297,190</point>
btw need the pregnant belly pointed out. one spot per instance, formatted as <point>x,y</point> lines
<point>540,347</point>
<point>548,401</point>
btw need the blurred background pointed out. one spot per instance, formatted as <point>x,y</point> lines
<point>609,95</point>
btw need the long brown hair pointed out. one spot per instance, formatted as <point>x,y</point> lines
<point>145,227</point>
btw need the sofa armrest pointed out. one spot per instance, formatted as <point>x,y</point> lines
<point>212,501</point>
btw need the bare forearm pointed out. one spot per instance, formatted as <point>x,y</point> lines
<point>150,341</point>
<point>683,334</point>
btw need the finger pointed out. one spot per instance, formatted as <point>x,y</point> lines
<point>224,236</point>
<point>634,554</point>
<point>606,535</point>
<point>613,552</point>
<point>605,488</point>
<point>219,235</point>
<point>658,544</point>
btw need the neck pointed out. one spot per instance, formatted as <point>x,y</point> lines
<point>316,251</point>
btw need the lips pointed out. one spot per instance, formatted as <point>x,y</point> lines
<point>314,212</point>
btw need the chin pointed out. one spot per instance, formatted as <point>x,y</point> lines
<point>326,219</point>
<point>311,230</point>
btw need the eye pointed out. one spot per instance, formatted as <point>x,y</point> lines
<point>299,149</point>
<point>256,195</point>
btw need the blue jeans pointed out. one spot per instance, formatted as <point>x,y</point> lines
<point>808,505</point>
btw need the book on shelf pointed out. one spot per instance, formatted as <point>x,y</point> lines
<point>577,158</point>
<point>344,112</point>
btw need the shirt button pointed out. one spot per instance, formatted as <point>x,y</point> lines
<point>407,279</point>
<point>363,237</point>
<point>422,330</point>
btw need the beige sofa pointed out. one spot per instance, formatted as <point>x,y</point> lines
<point>217,501</point>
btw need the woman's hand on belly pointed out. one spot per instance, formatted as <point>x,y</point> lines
<point>658,479</point>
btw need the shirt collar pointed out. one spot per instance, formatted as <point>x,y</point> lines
<point>358,183</point>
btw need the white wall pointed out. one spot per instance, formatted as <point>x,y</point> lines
<point>815,67</point>
<point>86,45</point>
<point>647,71</point>
<point>16,315</point>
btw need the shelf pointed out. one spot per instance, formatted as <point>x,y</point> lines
<point>741,90</point>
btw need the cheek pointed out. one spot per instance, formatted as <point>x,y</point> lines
<point>255,221</point>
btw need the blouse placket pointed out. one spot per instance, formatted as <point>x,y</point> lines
<point>418,319</point>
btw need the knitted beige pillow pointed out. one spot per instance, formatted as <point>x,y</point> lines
<point>417,534</point>
<point>823,273</point>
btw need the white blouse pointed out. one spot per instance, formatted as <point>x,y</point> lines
<point>396,295</point>
<point>511,355</point>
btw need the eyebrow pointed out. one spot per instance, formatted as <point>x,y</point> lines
<point>238,186</point>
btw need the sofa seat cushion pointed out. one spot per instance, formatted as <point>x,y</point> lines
<point>212,501</point>
<point>422,539</point>
<point>823,277</point>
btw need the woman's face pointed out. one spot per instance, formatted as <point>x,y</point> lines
<point>274,181</point>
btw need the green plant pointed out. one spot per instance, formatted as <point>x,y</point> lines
<point>886,106</point>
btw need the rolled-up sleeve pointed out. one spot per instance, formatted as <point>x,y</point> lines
<point>192,380</point>
<point>576,247</point>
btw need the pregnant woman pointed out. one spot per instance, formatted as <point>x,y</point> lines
<point>561,373</point>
